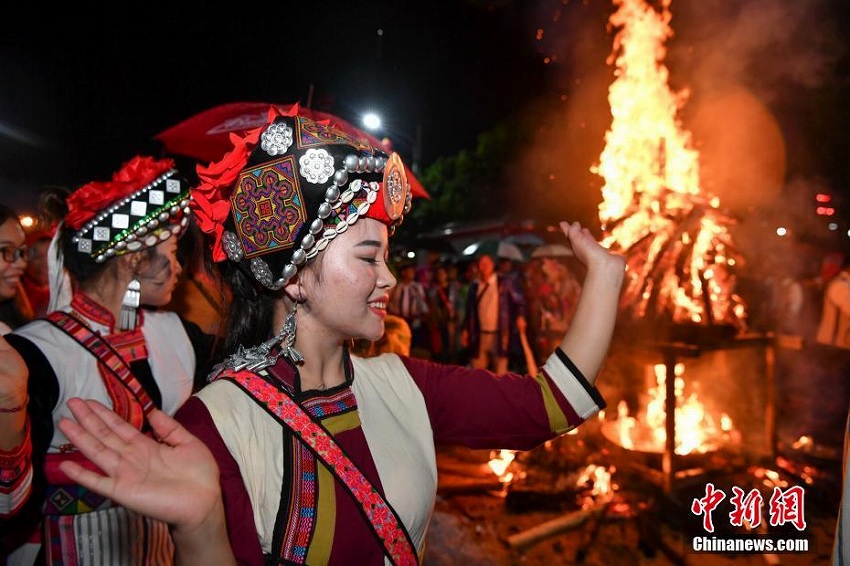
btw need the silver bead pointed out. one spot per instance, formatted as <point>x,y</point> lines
<point>361,163</point>
<point>299,257</point>
<point>316,226</point>
<point>340,177</point>
<point>308,241</point>
<point>370,163</point>
<point>289,271</point>
<point>163,216</point>
<point>332,193</point>
<point>324,210</point>
<point>351,163</point>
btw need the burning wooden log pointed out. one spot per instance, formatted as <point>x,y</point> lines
<point>556,526</point>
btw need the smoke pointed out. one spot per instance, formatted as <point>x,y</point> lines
<point>769,46</point>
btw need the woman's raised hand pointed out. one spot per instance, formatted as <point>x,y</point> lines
<point>589,335</point>
<point>588,251</point>
<point>174,480</point>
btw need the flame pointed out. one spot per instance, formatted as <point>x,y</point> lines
<point>499,462</point>
<point>696,429</point>
<point>680,256</point>
<point>599,477</point>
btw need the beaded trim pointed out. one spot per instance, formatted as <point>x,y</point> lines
<point>131,224</point>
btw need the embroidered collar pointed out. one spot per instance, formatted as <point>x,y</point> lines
<point>96,313</point>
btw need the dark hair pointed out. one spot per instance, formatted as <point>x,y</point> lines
<point>6,213</point>
<point>251,311</point>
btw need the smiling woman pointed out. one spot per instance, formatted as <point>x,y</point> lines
<point>12,264</point>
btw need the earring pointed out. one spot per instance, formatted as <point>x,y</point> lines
<point>287,338</point>
<point>130,304</point>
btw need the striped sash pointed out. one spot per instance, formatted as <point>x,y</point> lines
<point>398,546</point>
<point>106,355</point>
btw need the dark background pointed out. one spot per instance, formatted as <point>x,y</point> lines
<point>85,90</point>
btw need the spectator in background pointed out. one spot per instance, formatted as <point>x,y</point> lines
<point>409,300</point>
<point>557,298</point>
<point>493,305</point>
<point>834,327</point>
<point>395,340</point>
<point>444,298</point>
<point>201,294</point>
<point>36,280</point>
<point>13,260</point>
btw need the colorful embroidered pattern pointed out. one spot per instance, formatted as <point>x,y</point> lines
<point>268,207</point>
<point>397,544</point>
<point>16,474</point>
<point>73,500</point>
<point>302,505</point>
<point>312,133</point>
<point>340,402</point>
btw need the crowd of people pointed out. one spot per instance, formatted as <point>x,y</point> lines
<point>295,419</point>
<point>486,311</point>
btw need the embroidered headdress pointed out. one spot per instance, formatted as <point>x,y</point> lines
<point>288,188</point>
<point>145,203</point>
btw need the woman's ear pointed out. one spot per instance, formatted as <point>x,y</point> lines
<point>295,290</point>
<point>130,263</point>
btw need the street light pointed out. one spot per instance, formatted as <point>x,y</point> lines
<point>372,121</point>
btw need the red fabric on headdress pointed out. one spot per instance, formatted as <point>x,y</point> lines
<point>90,199</point>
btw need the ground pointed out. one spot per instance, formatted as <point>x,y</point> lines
<point>474,526</point>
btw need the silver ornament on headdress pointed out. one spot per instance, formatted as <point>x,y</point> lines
<point>276,139</point>
<point>316,165</point>
<point>231,246</point>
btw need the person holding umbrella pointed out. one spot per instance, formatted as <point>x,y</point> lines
<point>298,451</point>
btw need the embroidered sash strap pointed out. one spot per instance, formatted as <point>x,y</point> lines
<point>105,354</point>
<point>397,544</point>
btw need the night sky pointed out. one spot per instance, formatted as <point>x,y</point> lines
<point>84,92</point>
